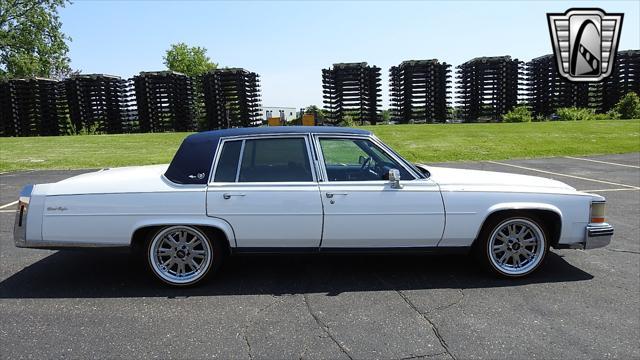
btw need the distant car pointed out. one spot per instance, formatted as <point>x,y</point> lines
<point>306,189</point>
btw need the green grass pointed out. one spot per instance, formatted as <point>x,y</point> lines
<point>420,143</point>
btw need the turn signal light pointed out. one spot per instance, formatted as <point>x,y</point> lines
<point>597,212</point>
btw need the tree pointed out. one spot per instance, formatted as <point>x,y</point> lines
<point>31,40</point>
<point>192,61</point>
<point>320,114</point>
<point>629,106</point>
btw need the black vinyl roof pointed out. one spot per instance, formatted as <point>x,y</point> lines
<point>197,151</point>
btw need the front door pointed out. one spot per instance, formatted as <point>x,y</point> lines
<point>266,190</point>
<point>363,210</point>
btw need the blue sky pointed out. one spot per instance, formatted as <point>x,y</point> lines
<point>288,43</point>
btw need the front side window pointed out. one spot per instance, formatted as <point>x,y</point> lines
<point>275,160</point>
<point>357,160</point>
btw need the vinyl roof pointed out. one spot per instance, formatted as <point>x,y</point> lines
<point>197,151</point>
<point>278,130</point>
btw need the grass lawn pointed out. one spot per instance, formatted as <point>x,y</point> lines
<point>420,143</point>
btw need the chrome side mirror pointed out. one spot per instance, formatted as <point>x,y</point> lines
<point>394,179</point>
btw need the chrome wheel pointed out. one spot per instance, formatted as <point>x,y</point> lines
<point>516,247</point>
<point>180,255</point>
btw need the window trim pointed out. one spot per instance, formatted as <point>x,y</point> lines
<point>384,149</point>
<point>243,139</point>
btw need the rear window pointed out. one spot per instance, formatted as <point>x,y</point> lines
<point>275,160</point>
<point>228,163</point>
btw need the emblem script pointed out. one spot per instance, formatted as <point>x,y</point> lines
<point>585,42</point>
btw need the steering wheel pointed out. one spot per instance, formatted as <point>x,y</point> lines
<point>365,163</point>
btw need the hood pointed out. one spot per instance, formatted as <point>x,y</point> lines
<point>468,178</point>
<point>114,180</point>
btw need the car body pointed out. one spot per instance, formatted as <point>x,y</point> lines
<point>306,189</point>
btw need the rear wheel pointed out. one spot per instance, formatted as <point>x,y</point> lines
<point>182,255</point>
<point>513,246</point>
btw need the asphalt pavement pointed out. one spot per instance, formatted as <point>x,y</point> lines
<point>103,304</point>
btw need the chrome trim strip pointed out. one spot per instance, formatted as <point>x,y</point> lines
<point>70,244</point>
<point>244,138</point>
<point>239,165</point>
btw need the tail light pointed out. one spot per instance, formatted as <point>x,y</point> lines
<point>597,213</point>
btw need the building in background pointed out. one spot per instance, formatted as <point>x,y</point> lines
<point>232,98</point>
<point>285,113</point>
<point>165,101</point>
<point>488,87</point>
<point>419,91</point>
<point>351,90</point>
<point>547,91</point>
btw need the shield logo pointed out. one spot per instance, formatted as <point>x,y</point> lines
<point>585,42</point>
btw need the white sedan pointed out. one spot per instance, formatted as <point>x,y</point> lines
<point>306,189</point>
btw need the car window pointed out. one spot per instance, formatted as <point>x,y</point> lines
<point>358,160</point>
<point>228,162</point>
<point>273,160</point>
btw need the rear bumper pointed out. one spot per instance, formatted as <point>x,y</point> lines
<point>20,224</point>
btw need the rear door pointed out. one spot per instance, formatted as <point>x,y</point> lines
<point>266,189</point>
<point>363,210</point>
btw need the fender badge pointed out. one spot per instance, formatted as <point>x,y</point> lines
<point>59,208</point>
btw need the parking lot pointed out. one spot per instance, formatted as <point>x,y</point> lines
<point>100,303</point>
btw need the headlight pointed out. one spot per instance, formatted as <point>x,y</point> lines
<point>597,213</point>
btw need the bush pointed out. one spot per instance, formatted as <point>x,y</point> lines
<point>574,114</point>
<point>629,106</point>
<point>608,116</point>
<point>518,114</point>
<point>613,114</point>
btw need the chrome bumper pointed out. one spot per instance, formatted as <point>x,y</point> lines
<point>598,236</point>
<point>20,224</point>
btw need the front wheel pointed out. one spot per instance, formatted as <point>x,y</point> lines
<point>182,255</point>
<point>514,246</point>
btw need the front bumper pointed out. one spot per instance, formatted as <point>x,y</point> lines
<point>598,236</point>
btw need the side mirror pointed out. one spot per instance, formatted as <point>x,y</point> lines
<point>394,179</point>
<point>361,160</point>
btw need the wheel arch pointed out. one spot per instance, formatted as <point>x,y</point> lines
<point>550,215</point>
<point>214,227</point>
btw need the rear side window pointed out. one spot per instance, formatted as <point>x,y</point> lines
<point>228,163</point>
<point>275,160</point>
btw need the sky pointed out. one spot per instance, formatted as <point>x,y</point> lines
<point>289,42</point>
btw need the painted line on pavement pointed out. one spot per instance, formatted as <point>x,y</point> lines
<point>607,190</point>
<point>602,162</point>
<point>9,204</point>
<point>565,175</point>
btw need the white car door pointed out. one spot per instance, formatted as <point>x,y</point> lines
<point>266,189</point>
<point>363,209</point>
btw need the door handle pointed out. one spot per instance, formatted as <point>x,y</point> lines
<point>330,195</point>
<point>228,196</point>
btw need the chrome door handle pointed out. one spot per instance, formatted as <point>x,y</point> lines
<point>228,196</point>
<point>330,195</point>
